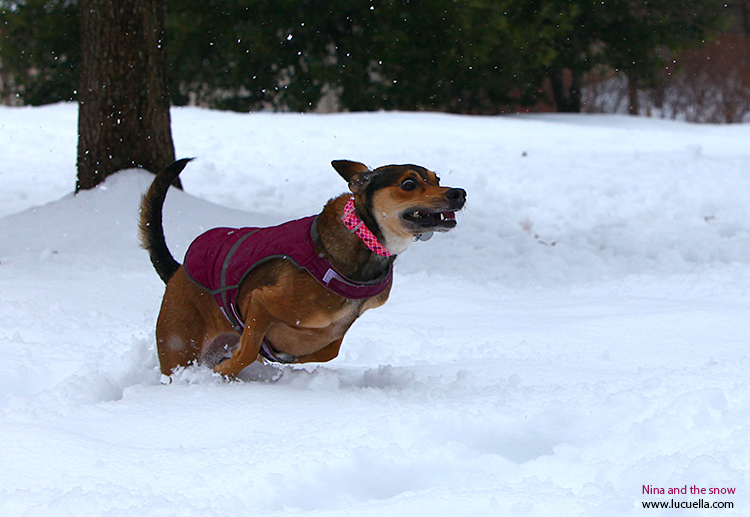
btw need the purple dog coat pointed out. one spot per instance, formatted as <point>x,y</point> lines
<point>221,258</point>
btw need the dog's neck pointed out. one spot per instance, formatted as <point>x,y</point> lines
<point>354,224</point>
<point>377,223</point>
<point>344,249</point>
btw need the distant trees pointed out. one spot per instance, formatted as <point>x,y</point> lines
<point>640,40</point>
<point>706,84</point>
<point>420,54</point>
<point>631,37</point>
<point>715,85</point>
<point>468,56</point>
<point>40,54</point>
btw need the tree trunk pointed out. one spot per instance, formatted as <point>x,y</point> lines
<point>567,97</point>
<point>744,7</point>
<point>123,116</point>
<point>633,105</point>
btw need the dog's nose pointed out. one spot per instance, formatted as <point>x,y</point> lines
<point>457,195</point>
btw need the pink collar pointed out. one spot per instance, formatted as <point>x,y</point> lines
<point>356,225</point>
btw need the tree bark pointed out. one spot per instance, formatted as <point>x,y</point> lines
<point>567,97</point>
<point>123,116</point>
<point>633,104</point>
<point>744,8</point>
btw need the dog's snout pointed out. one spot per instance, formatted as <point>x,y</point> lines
<point>457,195</point>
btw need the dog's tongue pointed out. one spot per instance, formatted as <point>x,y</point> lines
<point>449,215</point>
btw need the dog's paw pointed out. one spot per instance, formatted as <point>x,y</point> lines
<point>220,349</point>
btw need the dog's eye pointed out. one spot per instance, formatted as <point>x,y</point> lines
<point>408,185</point>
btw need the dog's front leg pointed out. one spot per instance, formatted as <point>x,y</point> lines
<point>258,323</point>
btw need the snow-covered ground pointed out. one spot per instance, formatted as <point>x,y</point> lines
<point>582,334</point>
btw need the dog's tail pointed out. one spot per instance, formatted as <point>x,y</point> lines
<point>151,231</point>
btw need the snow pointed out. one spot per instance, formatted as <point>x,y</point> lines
<point>582,333</point>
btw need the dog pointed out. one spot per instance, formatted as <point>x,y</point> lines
<point>289,293</point>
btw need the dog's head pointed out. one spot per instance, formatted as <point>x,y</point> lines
<point>403,201</point>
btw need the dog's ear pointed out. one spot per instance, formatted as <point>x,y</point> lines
<point>355,173</point>
<point>349,169</point>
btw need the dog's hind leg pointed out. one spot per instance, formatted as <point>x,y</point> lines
<point>188,320</point>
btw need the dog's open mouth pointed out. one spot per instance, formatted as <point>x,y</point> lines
<point>431,220</point>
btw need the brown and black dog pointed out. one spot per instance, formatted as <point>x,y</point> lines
<point>296,303</point>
